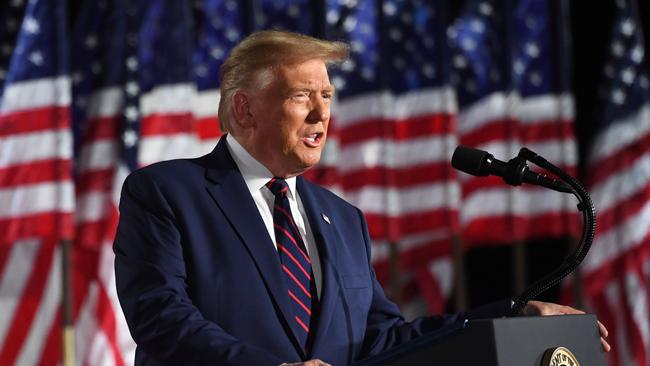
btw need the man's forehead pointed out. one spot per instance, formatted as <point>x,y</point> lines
<point>303,72</point>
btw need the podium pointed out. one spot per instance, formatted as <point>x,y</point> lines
<point>517,341</point>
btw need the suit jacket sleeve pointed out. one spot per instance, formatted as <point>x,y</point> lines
<point>151,284</point>
<point>387,328</point>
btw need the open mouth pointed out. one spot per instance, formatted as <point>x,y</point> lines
<point>314,139</point>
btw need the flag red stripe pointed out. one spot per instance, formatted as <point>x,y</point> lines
<point>167,124</point>
<point>95,180</point>
<point>207,127</point>
<point>91,234</point>
<point>52,352</point>
<point>398,177</point>
<point>382,226</point>
<point>35,172</point>
<point>500,129</point>
<point>105,315</point>
<point>619,161</point>
<point>505,229</point>
<point>34,120</point>
<point>622,210</point>
<point>397,130</point>
<point>633,335</point>
<point>36,225</point>
<point>101,128</point>
<point>327,176</point>
<point>596,280</point>
<point>30,301</point>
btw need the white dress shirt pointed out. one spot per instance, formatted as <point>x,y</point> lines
<point>256,176</point>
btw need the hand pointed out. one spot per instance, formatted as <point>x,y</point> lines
<point>548,308</point>
<point>315,362</point>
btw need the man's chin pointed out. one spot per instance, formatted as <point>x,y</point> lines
<point>305,164</point>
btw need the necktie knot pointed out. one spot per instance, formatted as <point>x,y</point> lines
<point>278,186</point>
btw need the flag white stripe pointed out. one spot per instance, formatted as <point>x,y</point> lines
<point>381,248</point>
<point>206,146</point>
<point>442,269</point>
<point>206,103</point>
<point>97,155</point>
<point>107,278</point>
<point>92,206</point>
<point>621,134</point>
<point>165,147</point>
<point>625,236</point>
<point>36,198</point>
<point>494,202</point>
<point>38,93</point>
<point>43,322</point>
<point>529,110</point>
<point>35,146</point>
<point>393,107</point>
<point>393,154</point>
<point>622,184</point>
<point>396,201</point>
<point>100,352</point>
<point>330,157</point>
<point>637,295</point>
<point>105,103</point>
<point>180,98</point>
<point>168,99</point>
<point>18,266</point>
<point>165,99</point>
<point>613,296</point>
<point>85,325</point>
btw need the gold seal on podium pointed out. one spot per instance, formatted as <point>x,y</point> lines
<point>559,356</point>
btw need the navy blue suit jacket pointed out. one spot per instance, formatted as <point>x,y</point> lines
<point>199,279</point>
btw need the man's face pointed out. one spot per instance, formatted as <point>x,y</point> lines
<point>291,114</point>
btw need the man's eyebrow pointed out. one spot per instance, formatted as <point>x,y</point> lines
<point>330,89</point>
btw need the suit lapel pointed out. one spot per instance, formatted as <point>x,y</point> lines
<point>327,240</point>
<point>233,198</point>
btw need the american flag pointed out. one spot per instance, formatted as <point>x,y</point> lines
<point>144,91</point>
<point>511,65</point>
<point>395,126</point>
<point>36,190</point>
<point>617,270</point>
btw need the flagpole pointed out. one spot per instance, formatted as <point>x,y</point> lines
<point>519,267</point>
<point>68,324</point>
<point>460,297</point>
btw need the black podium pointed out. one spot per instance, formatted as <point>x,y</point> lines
<point>518,341</point>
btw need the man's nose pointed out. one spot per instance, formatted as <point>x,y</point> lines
<point>320,111</point>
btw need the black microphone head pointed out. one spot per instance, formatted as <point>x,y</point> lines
<point>471,161</point>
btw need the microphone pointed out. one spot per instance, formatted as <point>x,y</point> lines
<point>515,172</point>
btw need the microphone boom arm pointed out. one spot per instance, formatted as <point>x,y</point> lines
<point>573,260</point>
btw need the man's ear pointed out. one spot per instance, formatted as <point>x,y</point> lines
<point>241,110</point>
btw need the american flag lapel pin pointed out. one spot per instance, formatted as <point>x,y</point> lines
<point>326,218</point>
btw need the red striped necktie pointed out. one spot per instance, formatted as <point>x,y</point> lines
<point>295,262</point>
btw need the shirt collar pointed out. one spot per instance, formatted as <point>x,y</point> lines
<point>255,174</point>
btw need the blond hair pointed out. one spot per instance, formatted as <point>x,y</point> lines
<point>266,49</point>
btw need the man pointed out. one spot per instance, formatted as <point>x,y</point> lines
<point>233,258</point>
